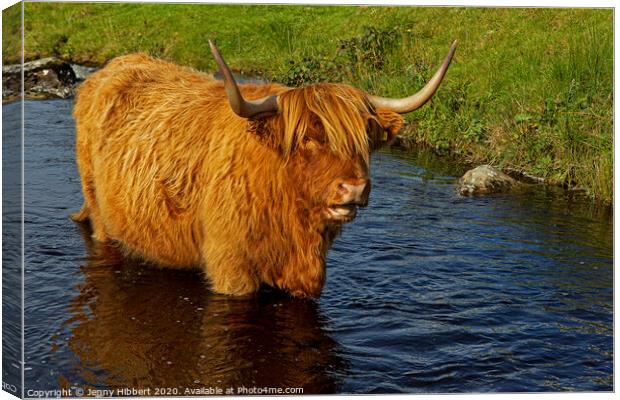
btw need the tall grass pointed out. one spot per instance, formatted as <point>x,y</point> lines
<point>530,89</point>
<point>554,119</point>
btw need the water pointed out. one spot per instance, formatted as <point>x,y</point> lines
<point>426,292</point>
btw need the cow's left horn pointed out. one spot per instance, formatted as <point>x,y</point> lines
<point>243,108</point>
<point>417,100</point>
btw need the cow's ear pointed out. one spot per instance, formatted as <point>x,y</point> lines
<point>384,127</point>
<point>391,122</point>
<point>267,130</point>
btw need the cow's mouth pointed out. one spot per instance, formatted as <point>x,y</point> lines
<point>342,212</point>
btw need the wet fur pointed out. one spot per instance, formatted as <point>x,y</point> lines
<point>175,177</point>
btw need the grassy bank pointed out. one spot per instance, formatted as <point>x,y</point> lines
<point>530,89</point>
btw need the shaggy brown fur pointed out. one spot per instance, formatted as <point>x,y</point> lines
<point>174,176</point>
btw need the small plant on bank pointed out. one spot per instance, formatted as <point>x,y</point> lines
<point>355,59</point>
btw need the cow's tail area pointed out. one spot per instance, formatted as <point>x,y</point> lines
<point>82,215</point>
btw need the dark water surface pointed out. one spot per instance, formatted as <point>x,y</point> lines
<point>426,292</point>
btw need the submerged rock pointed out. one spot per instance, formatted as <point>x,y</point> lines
<point>484,180</point>
<point>45,78</point>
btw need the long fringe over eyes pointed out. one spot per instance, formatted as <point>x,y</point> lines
<point>342,111</point>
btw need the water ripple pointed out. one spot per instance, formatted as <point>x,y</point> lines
<point>426,292</point>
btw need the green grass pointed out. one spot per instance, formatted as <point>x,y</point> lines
<point>530,89</point>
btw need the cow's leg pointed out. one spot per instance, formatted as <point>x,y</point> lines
<point>96,224</point>
<point>303,277</point>
<point>88,189</point>
<point>230,274</point>
<point>89,209</point>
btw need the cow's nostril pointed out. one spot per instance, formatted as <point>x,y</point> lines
<point>351,193</point>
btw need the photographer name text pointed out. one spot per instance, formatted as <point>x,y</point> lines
<point>162,391</point>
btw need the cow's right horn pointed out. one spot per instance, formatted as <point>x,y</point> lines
<point>417,100</point>
<point>243,108</point>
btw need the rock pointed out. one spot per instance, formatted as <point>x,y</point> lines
<point>81,71</point>
<point>55,82</point>
<point>484,180</point>
<point>523,176</point>
<point>32,66</point>
<point>45,78</point>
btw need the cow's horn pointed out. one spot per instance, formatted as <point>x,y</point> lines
<point>417,100</point>
<point>243,108</point>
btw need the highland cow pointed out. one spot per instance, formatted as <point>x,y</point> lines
<point>250,183</point>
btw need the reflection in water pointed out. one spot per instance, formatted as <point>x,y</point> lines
<point>146,327</point>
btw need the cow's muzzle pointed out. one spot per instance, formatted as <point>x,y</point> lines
<point>350,196</point>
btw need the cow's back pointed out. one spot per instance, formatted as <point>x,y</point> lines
<point>156,140</point>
